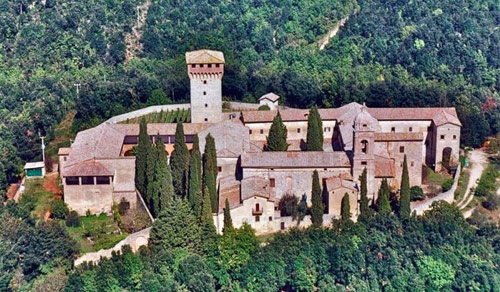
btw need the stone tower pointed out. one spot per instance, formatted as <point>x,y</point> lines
<point>365,127</point>
<point>205,69</point>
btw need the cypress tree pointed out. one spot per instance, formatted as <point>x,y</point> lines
<point>404,206</point>
<point>317,209</point>
<point>363,203</point>
<point>345,208</point>
<point>208,231</point>
<point>314,131</point>
<point>179,162</point>
<point>228,222</point>
<point>383,204</point>
<point>210,171</point>
<point>276,141</point>
<point>195,197</point>
<point>150,177</point>
<point>142,150</point>
<point>164,190</point>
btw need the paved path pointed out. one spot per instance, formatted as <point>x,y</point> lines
<point>478,160</point>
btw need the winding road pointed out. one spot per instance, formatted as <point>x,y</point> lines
<point>478,161</point>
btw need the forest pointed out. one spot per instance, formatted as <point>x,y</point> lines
<point>57,56</point>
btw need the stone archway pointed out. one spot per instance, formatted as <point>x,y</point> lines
<point>446,158</point>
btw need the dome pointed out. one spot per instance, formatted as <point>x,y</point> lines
<point>365,122</point>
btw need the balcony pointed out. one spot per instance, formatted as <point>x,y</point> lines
<point>257,211</point>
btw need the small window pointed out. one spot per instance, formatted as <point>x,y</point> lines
<point>204,82</point>
<point>365,125</point>
<point>217,65</point>
<point>442,137</point>
<point>193,65</point>
<point>412,163</point>
<point>326,129</point>
<point>393,129</point>
<point>250,132</point>
<point>401,149</point>
<point>219,169</point>
<point>282,225</point>
<point>102,180</point>
<point>204,93</point>
<point>206,120</point>
<point>72,180</point>
<point>257,218</point>
<point>410,129</point>
<point>206,104</point>
<point>87,180</point>
<point>298,130</point>
<point>270,218</point>
<point>64,158</point>
<point>261,131</point>
<point>209,65</point>
<point>201,65</point>
<point>272,182</point>
<point>364,163</point>
<point>454,137</point>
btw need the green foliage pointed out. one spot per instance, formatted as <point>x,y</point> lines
<point>438,275</point>
<point>365,211</point>
<point>59,209</point>
<point>345,208</point>
<point>162,191</point>
<point>179,163</point>
<point>228,222</point>
<point>208,232</point>
<point>314,138</point>
<point>416,193</point>
<point>492,202</point>
<point>195,196</point>
<point>447,184</point>
<point>158,97</point>
<point>210,171</point>
<point>143,148</point>
<point>318,208</point>
<point>404,206</point>
<point>288,205</point>
<point>487,182</point>
<point>73,220</point>
<point>276,141</point>
<point>264,107</point>
<point>176,228</point>
<point>383,204</point>
<point>302,209</point>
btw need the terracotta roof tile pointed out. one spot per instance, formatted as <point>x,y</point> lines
<point>334,183</point>
<point>304,159</point>
<point>384,167</point>
<point>63,151</point>
<point>204,57</point>
<point>229,188</point>
<point>88,168</point>
<point>256,186</point>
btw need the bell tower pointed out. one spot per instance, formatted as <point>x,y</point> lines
<point>205,69</point>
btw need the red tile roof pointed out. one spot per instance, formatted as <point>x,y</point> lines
<point>334,183</point>
<point>256,186</point>
<point>88,168</point>
<point>384,167</point>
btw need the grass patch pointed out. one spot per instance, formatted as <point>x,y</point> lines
<point>95,233</point>
<point>42,200</point>
<point>487,182</point>
<point>62,135</point>
<point>463,181</point>
<point>173,116</point>
<point>435,178</point>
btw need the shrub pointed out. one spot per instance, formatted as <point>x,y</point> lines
<point>492,202</point>
<point>264,107</point>
<point>59,209</point>
<point>288,205</point>
<point>416,193</point>
<point>487,182</point>
<point>73,220</point>
<point>447,185</point>
<point>123,207</point>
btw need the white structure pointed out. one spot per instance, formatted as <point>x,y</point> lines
<point>34,169</point>
<point>205,69</point>
<point>270,99</point>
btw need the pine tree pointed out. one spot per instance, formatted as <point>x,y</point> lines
<point>195,197</point>
<point>276,141</point>
<point>210,171</point>
<point>404,207</point>
<point>383,204</point>
<point>179,163</point>
<point>228,222</point>
<point>164,190</point>
<point>363,203</point>
<point>175,228</point>
<point>142,150</point>
<point>208,231</point>
<point>314,131</point>
<point>318,208</point>
<point>345,208</point>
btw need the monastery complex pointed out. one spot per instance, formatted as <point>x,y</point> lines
<point>98,168</point>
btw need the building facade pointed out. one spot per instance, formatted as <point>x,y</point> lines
<point>99,168</point>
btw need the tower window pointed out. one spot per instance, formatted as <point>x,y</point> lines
<point>401,149</point>
<point>206,120</point>
<point>364,146</point>
<point>454,137</point>
<point>219,168</point>
<point>201,65</point>
<point>250,132</point>
<point>204,82</point>
<point>209,65</point>
<point>206,104</point>
<point>442,137</point>
<point>193,66</point>
<point>411,129</point>
<point>204,93</point>
<point>270,218</point>
<point>326,129</point>
<point>216,65</point>
<point>412,163</point>
<point>393,129</point>
<point>298,130</point>
<point>272,182</point>
<point>261,131</point>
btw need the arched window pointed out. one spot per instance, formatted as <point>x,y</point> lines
<point>364,146</point>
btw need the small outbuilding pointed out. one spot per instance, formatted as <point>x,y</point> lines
<point>270,99</point>
<point>34,169</point>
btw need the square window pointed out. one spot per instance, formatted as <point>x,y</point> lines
<point>204,82</point>
<point>270,218</point>
<point>206,120</point>
<point>411,129</point>
<point>250,132</point>
<point>442,137</point>
<point>412,163</point>
<point>87,180</point>
<point>204,93</point>
<point>272,182</point>
<point>393,129</point>
<point>193,65</point>
<point>401,149</point>
<point>454,137</point>
<point>217,65</point>
<point>65,158</point>
<point>209,65</point>
<point>261,131</point>
<point>201,65</point>
<point>206,104</point>
<point>219,169</point>
<point>257,218</point>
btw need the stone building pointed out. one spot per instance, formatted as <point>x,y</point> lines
<point>99,168</point>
